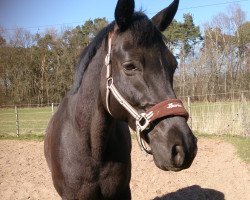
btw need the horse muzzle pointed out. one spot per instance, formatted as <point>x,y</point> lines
<point>173,144</point>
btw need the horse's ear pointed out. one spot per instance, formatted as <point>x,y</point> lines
<point>123,13</point>
<point>162,19</point>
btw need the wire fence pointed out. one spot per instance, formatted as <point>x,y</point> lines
<point>231,116</point>
<point>25,119</point>
<point>224,113</point>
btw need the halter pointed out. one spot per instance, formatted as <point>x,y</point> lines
<point>167,108</point>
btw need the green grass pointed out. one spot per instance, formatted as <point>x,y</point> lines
<point>242,144</point>
<point>221,117</point>
<point>225,109</point>
<point>31,120</point>
<point>25,137</point>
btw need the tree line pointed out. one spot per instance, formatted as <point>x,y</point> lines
<point>39,68</point>
<point>215,62</point>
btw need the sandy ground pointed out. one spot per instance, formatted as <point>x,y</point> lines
<point>216,174</point>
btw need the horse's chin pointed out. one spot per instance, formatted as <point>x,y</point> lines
<point>169,168</point>
<point>166,164</point>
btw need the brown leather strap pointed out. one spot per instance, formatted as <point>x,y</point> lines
<point>170,107</point>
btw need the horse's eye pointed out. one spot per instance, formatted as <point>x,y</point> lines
<point>129,67</point>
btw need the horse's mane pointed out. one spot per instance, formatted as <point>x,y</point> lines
<point>144,33</point>
<point>86,56</point>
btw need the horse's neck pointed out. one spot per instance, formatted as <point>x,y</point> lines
<point>88,94</point>
<point>99,132</point>
<point>92,119</point>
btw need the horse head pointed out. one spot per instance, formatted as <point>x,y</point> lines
<point>138,78</point>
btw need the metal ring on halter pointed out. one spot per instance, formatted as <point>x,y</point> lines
<point>141,142</point>
<point>109,82</point>
<point>143,122</point>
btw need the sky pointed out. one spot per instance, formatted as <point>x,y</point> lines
<point>39,15</point>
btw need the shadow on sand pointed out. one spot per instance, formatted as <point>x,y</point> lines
<point>194,192</point>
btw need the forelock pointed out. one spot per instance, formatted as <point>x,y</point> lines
<point>143,30</point>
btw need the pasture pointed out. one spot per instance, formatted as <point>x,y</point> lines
<point>230,118</point>
<point>32,120</point>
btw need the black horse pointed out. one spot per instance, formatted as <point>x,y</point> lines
<point>124,78</point>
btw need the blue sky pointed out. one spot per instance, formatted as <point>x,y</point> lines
<point>37,15</point>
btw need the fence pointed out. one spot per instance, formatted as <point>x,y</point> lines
<point>25,119</point>
<point>231,116</point>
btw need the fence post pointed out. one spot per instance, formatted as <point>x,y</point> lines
<point>244,116</point>
<point>17,122</point>
<point>190,110</point>
<point>52,108</point>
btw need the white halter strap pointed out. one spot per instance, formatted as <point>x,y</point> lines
<point>143,119</point>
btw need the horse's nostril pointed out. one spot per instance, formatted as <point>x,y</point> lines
<point>178,155</point>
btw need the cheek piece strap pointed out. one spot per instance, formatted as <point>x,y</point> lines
<point>167,108</point>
